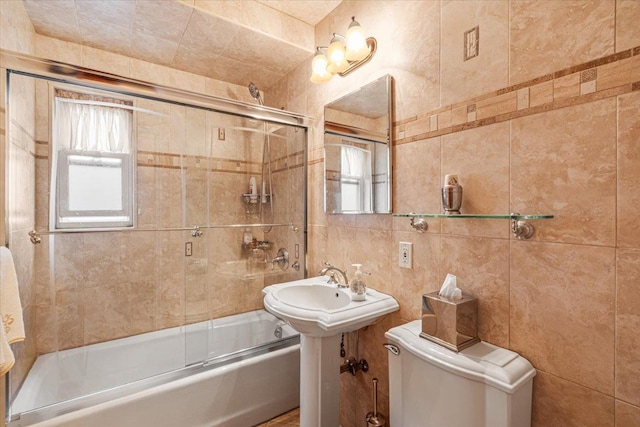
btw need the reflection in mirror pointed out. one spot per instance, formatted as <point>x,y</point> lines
<point>357,151</point>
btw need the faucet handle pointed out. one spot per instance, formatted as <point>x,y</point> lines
<point>332,278</point>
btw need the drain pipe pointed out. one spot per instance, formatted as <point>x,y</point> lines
<point>352,365</point>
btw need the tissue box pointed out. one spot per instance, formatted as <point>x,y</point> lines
<point>450,323</point>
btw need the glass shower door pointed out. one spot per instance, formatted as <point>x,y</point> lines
<point>242,231</point>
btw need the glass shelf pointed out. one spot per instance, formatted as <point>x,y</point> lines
<point>513,216</point>
<point>520,228</point>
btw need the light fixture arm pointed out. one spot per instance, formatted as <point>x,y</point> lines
<point>373,45</point>
<point>338,36</point>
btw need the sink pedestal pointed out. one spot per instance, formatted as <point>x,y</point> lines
<point>319,381</point>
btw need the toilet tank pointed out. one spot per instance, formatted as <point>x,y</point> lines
<point>432,386</point>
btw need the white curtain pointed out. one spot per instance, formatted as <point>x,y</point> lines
<point>356,167</point>
<point>90,127</point>
<point>355,163</point>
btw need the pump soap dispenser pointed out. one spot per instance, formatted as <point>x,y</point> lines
<point>357,285</point>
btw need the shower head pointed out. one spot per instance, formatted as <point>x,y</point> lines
<point>253,90</point>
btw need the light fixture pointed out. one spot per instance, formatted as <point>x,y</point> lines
<point>319,65</point>
<point>344,54</point>
<point>357,48</point>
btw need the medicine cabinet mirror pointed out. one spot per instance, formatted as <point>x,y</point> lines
<point>357,151</point>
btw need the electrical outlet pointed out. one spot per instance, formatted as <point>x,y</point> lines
<point>221,134</point>
<point>188,249</point>
<point>405,258</point>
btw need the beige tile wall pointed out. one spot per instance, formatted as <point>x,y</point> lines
<point>16,33</point>
<point>544,120</point>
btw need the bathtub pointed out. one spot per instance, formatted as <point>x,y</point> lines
<point>251,373</point>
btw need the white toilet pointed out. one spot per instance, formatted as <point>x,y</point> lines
<point>431,386</point>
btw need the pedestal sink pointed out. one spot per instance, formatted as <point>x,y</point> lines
<point>320,313</point>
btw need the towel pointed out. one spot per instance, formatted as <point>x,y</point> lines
<point>12,328</point>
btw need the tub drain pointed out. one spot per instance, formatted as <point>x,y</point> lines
<point>278,332</point>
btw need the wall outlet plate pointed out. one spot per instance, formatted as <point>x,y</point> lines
<point>405,255</point>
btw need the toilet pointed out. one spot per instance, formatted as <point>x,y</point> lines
<point>432,386</point>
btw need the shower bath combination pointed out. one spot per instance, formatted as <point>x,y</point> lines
<point>184,294</point>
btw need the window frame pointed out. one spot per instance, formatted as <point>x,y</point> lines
<point>129,169</point>
<point>62,194</point>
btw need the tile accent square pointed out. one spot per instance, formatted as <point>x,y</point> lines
<point>588,75</point>
<point>433,122</point>
<point>587,87</point>
<point>471,117</point>
<point>523,98</point>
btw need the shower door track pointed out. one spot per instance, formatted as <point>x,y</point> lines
<point>196,230</point>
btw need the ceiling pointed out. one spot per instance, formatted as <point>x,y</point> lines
<point>233,41</point>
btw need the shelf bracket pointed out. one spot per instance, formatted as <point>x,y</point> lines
<point>419,224</point>
<point>522,230</point>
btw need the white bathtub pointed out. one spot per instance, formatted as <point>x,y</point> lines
<point>158,378</point>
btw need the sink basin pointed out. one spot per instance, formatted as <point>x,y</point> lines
<point>313,297</point>
<point>314,308</point>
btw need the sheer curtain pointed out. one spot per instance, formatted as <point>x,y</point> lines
<point>90,127</point>
<point>355,167</point>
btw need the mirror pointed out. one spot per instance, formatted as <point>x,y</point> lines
<point>357,151</point>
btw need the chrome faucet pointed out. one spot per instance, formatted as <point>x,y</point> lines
<point>331,271</point>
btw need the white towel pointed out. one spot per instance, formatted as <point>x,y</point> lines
<point>10,310</point>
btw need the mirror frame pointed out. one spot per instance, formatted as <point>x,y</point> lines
<point>355,133</point>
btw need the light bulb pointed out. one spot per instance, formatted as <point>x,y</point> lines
<point>319,73</point>
<point>336,55</point>
<point>357,48</point>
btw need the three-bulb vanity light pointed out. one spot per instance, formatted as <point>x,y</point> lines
<point>344,54</point>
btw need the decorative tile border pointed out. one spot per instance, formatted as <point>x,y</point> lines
<point>609,76</point>
<point>214,164</point>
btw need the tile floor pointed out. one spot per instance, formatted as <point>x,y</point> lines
<point>289,419</point>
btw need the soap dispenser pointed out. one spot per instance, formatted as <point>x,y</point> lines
<point>357,285</point>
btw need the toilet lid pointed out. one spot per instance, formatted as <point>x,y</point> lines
<point>484,362</point>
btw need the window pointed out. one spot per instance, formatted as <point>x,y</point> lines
<point>93,170</point>
<point>355,178</point>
